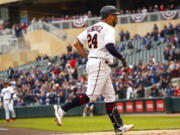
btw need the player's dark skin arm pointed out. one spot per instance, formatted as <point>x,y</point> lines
<point>112,50</point>
<point>80,48</point>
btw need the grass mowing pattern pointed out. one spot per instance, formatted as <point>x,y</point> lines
<point>97,123</point>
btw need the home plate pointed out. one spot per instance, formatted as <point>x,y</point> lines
<point>3,129</point>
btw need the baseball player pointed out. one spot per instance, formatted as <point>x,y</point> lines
<point>8,102</point>
<point>100,39</point>
<point>88,107</point>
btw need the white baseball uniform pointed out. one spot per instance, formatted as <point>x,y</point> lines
<point>8,102</point>
<point>99,81</point>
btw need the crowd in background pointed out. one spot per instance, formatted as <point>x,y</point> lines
<point>58,84</point>
<point>89,14</point>
<point>145,75</point>
<point>169,35</point>
<point>16,29</point>
<point>63,79</point>
<point>154,8</point>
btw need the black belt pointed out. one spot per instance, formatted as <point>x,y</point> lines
<point>100,58</point>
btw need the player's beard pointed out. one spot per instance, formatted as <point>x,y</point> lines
<point>114,23</point>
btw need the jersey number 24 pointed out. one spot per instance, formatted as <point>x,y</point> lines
<point>92,41</point>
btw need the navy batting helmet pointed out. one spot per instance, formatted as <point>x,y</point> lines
<point>106,10</point>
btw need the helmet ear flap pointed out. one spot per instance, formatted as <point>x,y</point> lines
<point>104,16</point>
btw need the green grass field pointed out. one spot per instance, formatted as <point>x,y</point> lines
<point>97,123</point>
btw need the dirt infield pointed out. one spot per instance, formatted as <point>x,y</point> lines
<point>22,131</point>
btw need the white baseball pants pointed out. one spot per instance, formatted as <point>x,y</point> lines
<point>99,81</point>
<point>9,107</point>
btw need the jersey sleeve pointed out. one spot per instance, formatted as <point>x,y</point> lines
<point>109,36</point>
<point>82,37</point>
<point>12,90</point>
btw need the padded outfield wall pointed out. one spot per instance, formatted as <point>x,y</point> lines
<point>134,106</point>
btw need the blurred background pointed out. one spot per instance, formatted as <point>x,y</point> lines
<point>37,57</point>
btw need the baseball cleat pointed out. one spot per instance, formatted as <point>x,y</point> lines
<point>6,121</point>
<point>124,129</point>
<point>14,119</point>
<point>59,113</point>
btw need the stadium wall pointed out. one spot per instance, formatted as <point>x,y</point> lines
<point>45,43</point>
<point>16,59</point>
<point>134,106</point>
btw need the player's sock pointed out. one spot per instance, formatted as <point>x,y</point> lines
<point>114,115</point>
<point>91,114</point>
<point>77,101</point>
<point>84,114</point>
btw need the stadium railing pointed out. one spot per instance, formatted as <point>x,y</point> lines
<point>122,19</point>
<point>141,52</point>
<point>9,44</point>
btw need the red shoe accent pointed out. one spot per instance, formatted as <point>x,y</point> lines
<point>14,119</point>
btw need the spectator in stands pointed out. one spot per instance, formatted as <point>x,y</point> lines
<point>143,42</point>
<point>164,32</point>
<point>155,9</point>
<point>69,48</point>
<point>122,35</point>
<point>140,92</point>
<point>129,92</point>
<point>175,71</point>
<point>177,29</point>
<point>127,35</point>
<point>10,72</point>
<point>24,27</point>
<point>120,90</point>
<point>163,83</point>
<point>169,91</point>
<point>150,9</point>
<point>155,33</point>
<point>169,52</point>
<point>170,30</point>
<point>18,31</point>
<point>52,97</point>
<point>171,7</point>
<point>154,91</point>
<point>122,47</point>
<point>148,42</point>
<point>89,14</point>
<point>144,10</point>
<point>130,45</point>
<point>161,8</point>
<point>177,90</point>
